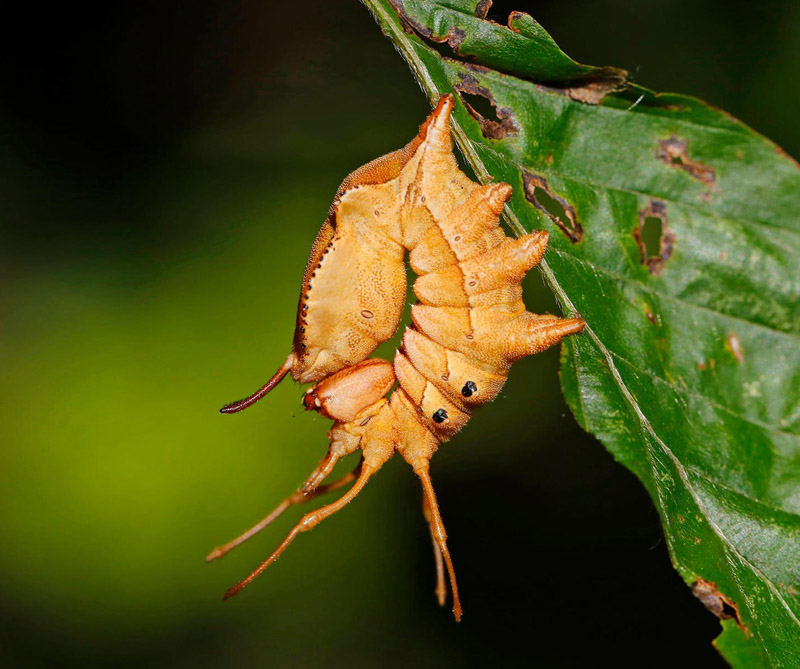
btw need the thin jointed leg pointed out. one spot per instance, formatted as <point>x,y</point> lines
<point>441,587</point>
<point>438,531</point>
<point>324,468</point>
<point>306,523</point>
<point>298,497</point>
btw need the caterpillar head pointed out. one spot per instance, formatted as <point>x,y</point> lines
<point>344,395</point>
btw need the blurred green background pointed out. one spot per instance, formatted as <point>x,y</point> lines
<point>163,171</point>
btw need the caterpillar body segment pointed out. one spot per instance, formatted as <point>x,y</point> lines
<point>469,326</point>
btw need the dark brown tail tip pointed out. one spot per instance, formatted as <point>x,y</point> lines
<point>241,405</point>
<point>231,592</point>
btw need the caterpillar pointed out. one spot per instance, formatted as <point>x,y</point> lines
<point>468,327</point>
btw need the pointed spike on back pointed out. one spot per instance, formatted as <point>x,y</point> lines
<point>497,195</point>
<point>532,247</point>
<point>436,128</point>
<point>531,334</point>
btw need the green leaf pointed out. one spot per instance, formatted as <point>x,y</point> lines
<point>675,233</point>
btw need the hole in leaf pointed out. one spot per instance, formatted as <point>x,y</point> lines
<point>496,122</point>
<point>557,208</point>
<point>675,153</point>
<point>444,48</point>
<point>716,602</point>
<point>499,11</point>
<point>651,235</point>
<point>551,205</point>
<point>481,105</point>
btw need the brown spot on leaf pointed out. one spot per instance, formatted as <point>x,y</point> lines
<point>453,38</point>
<point>720,605</point>
<point>674,152</point>
<point>482,8</point>
<point>496,122</point>
<point>555,207</point>
<point>650,317</point>
<point>733,344</point>
<point>591,92</point>
<point>701,365</point>
<point>653,236</point>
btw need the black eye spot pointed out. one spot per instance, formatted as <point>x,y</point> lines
<point>440,416</point>
<point>302,330</point>
<point>469,389</point>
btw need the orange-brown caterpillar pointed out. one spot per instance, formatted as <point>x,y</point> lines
<point>469,326</point>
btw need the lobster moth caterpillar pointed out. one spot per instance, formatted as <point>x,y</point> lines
<point>469,326</point>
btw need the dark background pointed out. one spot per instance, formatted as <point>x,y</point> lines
<point>163,171</point>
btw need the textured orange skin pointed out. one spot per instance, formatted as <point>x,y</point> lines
<point>469,326</point>
<point>345,394</point>
<point>354,286</point>
<point>470,323</point>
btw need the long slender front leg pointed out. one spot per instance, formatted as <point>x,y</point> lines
<point>299,497</point>
<point>306,523</point>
